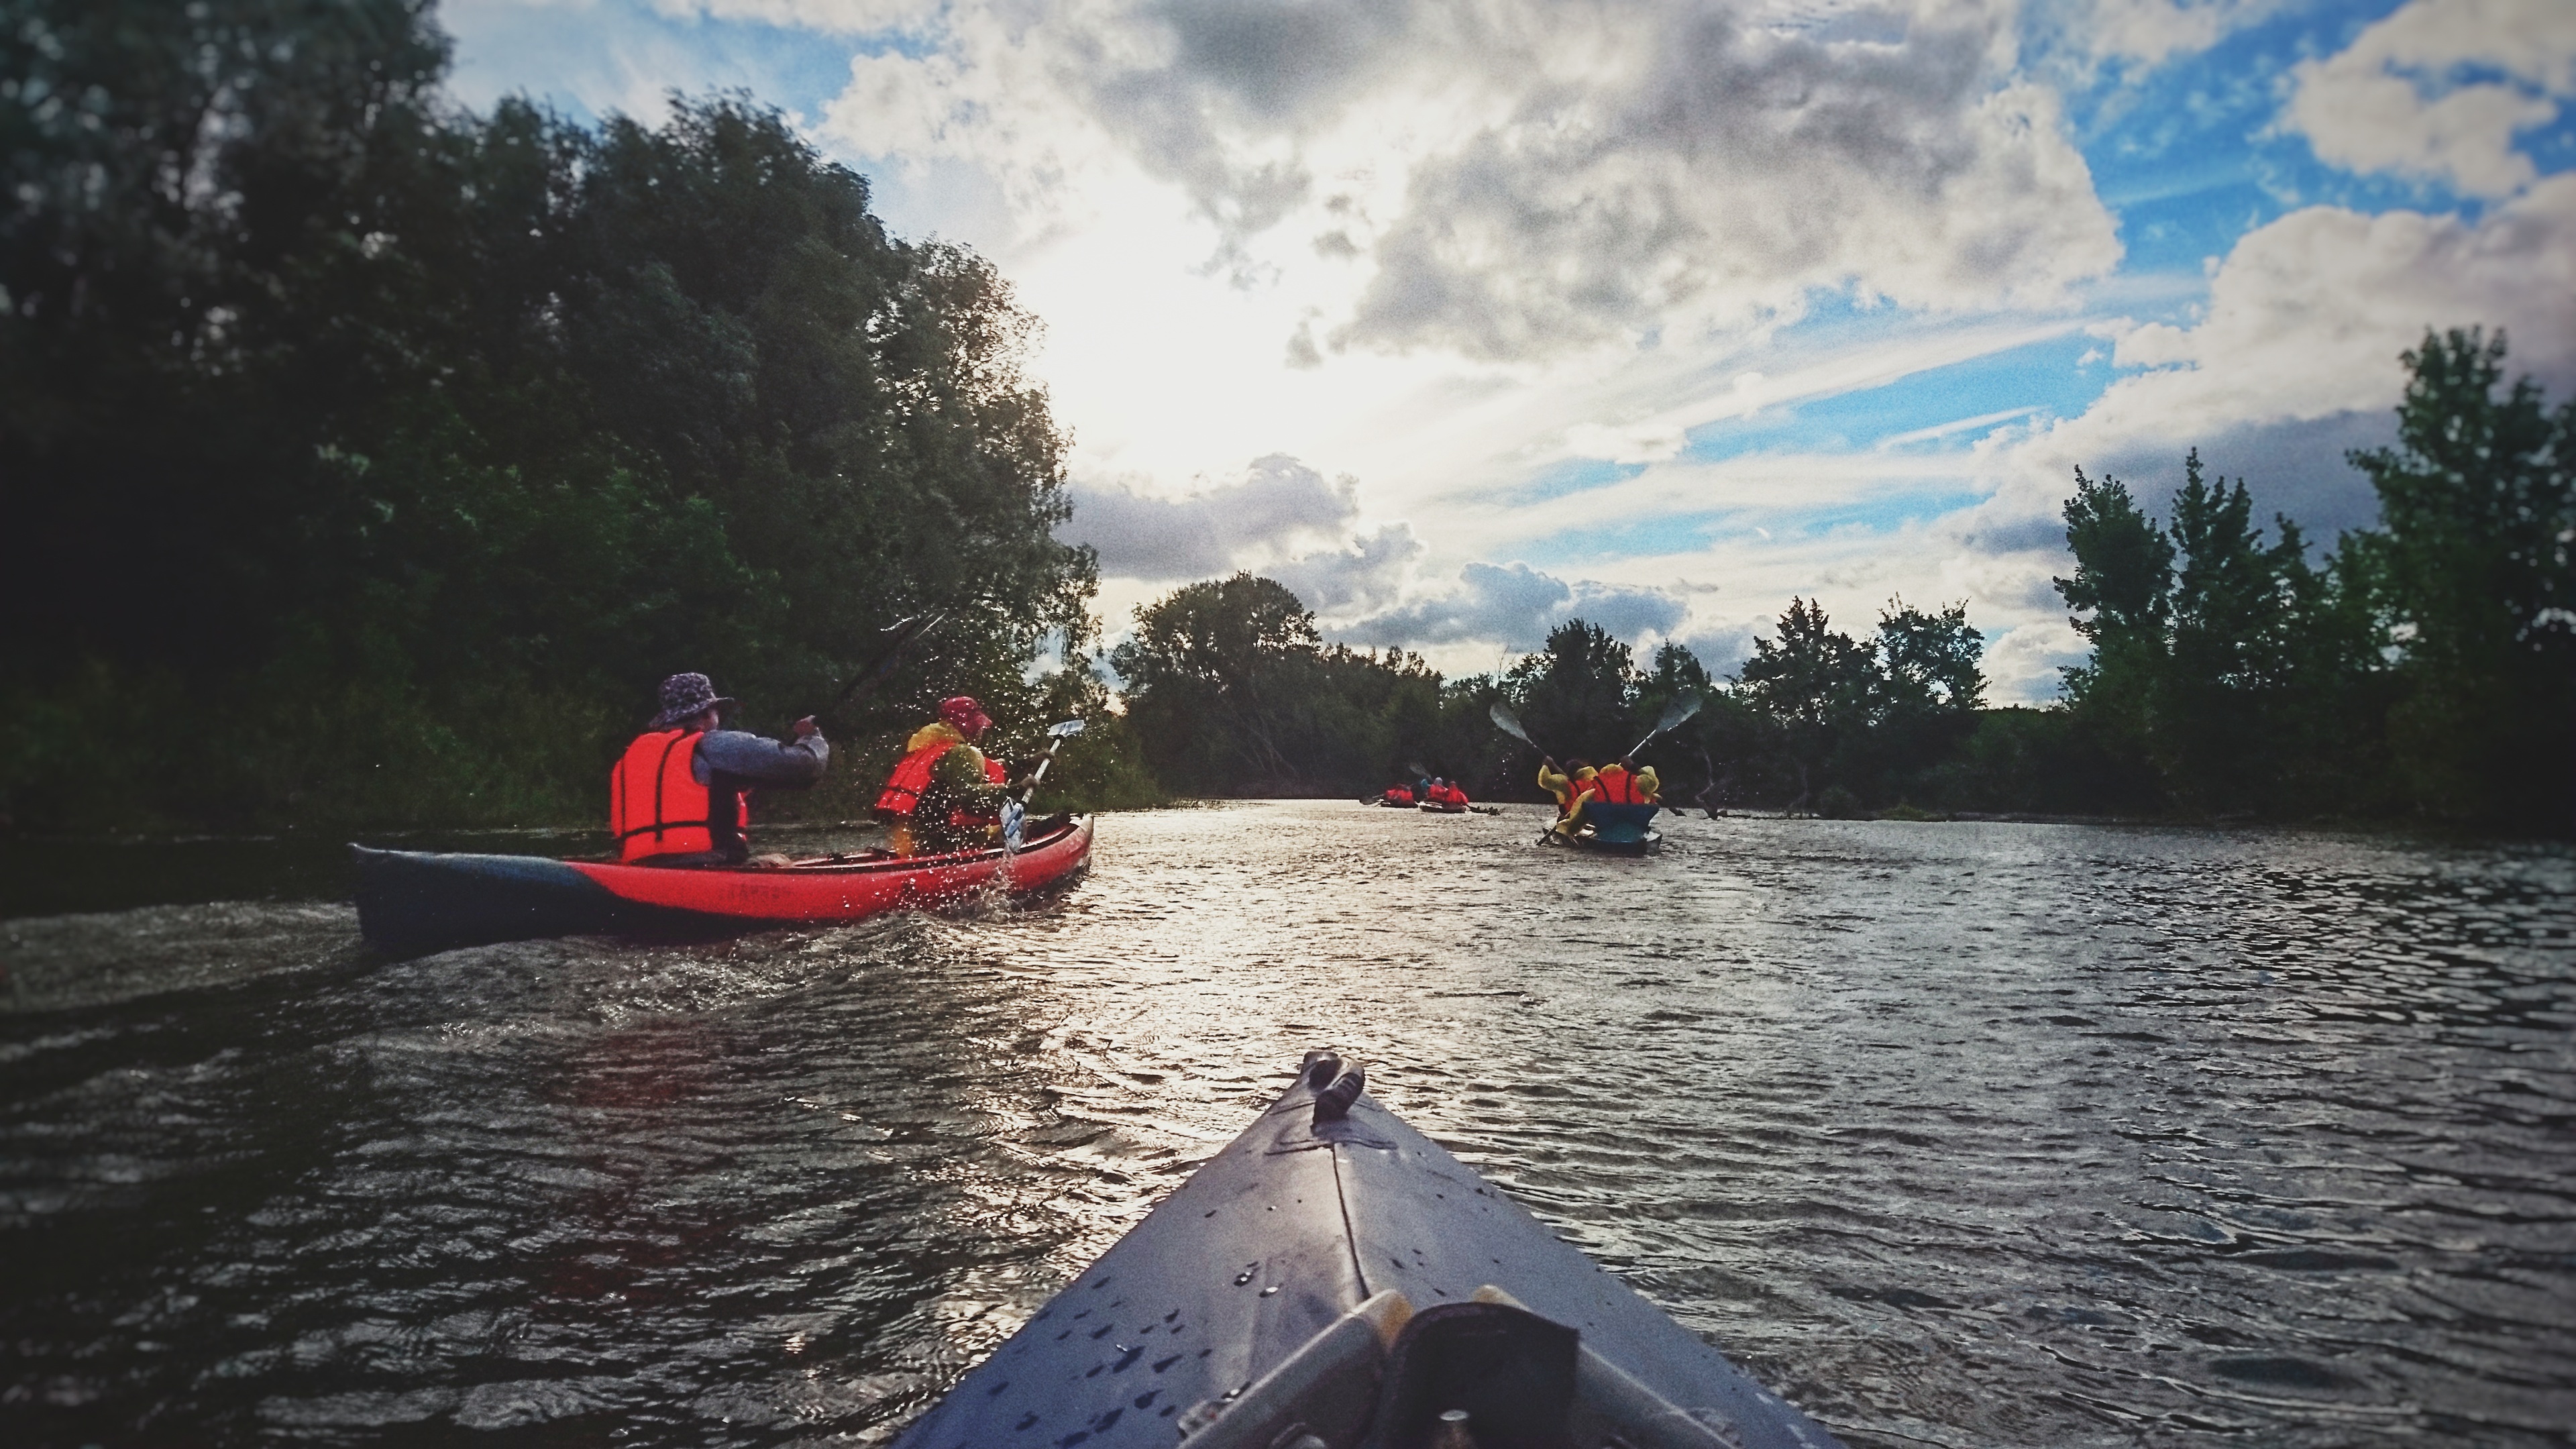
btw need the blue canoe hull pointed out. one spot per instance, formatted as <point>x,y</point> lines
<point>1287,1228</point>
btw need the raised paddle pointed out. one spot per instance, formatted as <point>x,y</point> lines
<point>900,635</point>
<point>1683,707</point>
<point>1015,811</point>
<point>1510,724</point>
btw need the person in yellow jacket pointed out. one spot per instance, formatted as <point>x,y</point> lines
<point>945,794</point>
<point>1571,787</point>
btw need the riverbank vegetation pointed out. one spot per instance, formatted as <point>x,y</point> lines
<point>2425,669</point>
<point>370,460</point>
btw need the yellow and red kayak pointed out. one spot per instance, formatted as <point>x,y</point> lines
<point>410,900</point>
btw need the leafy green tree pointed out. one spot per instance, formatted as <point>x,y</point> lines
<point>1230,690</point>
<point>1928,692</point>
<point>1209,676</point>
<point>1726,755</point>
<point>2236,611</point>
<point>1578,694</point>
<point>2478,500</point>
<point>1815,683</point>
<point>400,450</point>
<point>2122,592</point>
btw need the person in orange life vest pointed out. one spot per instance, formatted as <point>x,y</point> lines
<point>944,794</point>
<point>1399,795</point>
<point>1571,787</point>
<point>676,797</point>
<point>1621,783</point>
<point>1450,794</point>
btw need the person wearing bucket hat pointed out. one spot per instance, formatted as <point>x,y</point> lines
<point>944,793</point>
<point>679,795</point>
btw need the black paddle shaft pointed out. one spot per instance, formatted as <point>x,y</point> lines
<point>904,630</point>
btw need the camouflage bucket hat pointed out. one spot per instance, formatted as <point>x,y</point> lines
<point>686,696</point>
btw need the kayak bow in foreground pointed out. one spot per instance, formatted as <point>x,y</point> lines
<point>1332,1279</point>
<point>408,900</point>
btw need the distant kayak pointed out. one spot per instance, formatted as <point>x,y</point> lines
<point>1437,807</point>
<point>408,900</point>
<point>1613,830</point>
<point>1334,1277</point>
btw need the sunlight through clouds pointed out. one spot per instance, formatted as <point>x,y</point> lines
<point>1451,314</point>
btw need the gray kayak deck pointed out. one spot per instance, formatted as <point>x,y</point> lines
<point>1285,1230</point>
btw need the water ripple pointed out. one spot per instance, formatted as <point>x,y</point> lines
<point>1958,1135</point>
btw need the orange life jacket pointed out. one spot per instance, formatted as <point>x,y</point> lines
<point>1616,785</point>
<point>902,792</point>
<point>911,777</point>
<point>656,805</point>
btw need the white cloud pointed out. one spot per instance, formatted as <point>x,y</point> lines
<point>1278,502</point>
<point>1649,442</point>
<point>2439,90</point>
<point>2153,31</point>
<point>1368,574</point>
<point>1514,606</point>
<point>1518,178</point>
<point>2307,315</point>
<point>829,17</point>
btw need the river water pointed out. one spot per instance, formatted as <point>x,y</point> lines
<point>1954,1134</point>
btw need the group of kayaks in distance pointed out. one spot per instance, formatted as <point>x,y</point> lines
<point>1432,796</point>
<point>1331,1280</point>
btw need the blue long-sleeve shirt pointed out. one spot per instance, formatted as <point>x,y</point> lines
<point>758,759</point>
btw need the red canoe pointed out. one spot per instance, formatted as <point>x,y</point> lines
<point>409,900</point>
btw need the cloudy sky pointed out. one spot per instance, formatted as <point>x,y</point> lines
<point>1462,316</point>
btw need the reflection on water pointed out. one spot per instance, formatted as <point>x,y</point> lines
<point>1955,1134</point>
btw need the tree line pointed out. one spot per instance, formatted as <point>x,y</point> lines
<point>370,459</point>
<point>2423,669</point>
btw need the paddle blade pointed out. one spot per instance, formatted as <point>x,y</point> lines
<point>1682,708</point>
<point>1509,724</point>
<point>1064,730</point>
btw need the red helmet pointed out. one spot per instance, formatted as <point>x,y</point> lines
<point>963,712</point>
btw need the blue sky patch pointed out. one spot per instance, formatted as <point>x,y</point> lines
<point>2043,379</point>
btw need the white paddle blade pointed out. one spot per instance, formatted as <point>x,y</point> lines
<point>1677,711</point>
<point>1065,730</point>
<point>1508,724</point>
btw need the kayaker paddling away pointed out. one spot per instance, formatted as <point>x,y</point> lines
<point>681,794</point>
<point>1334,1280</point>
<point>945,793</point>
<point>1611,808</point>
<point>678,812</point>
<point>410,901</point>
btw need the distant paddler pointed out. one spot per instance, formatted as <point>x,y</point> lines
<point>944,793</point>
<point>679,795</point>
